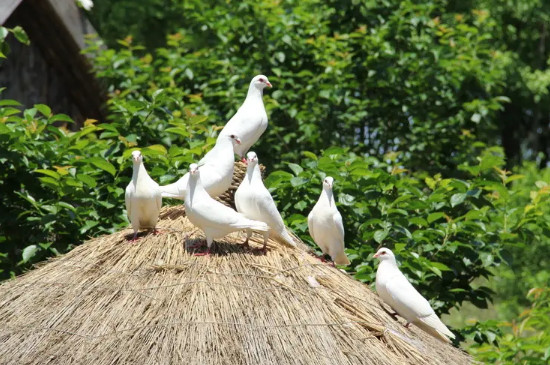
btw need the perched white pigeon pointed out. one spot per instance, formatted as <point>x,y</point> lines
<point>211,216</point>
<point>326,226</point>
<point>254,201</point>
<point>394,289</point>
<point>143,197</point>
<point>216,170</point>
<point>250,121</point>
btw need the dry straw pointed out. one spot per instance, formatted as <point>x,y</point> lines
<point>110,301</point>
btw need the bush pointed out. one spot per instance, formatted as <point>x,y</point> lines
<point>526,340</point>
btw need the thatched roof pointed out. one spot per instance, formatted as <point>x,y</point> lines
<point>109,301</point>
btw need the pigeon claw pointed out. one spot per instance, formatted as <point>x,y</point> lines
<point>205,253</point>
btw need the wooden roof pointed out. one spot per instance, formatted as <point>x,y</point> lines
<point>58,28</point>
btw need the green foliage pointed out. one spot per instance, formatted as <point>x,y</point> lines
<point>445,231</point>
<point>530,253</point>
<point>408,88</point>
<point>17,32</point>
<point>377,77</point>
<point>58,187</point>
<point>528,342</point>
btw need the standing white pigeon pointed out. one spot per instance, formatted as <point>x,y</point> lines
<point>250,121</point>
<point>211,216</point>
<point>143,197</point>
<point>394,289</point>
<point>216,170</point>
<point>254,201</point>
<point>326,226</point>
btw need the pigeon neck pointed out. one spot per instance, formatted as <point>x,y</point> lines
<point>224,143</point>
<point>388,262</point>
<point>329,196</point>
<point>253,173</point>
<point>193,187</point>
<point>254,93</point>
<point>139,171</point>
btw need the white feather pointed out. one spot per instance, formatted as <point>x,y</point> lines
<point>254,201</point>
<point>212,217</point>
<point>216,169</point>
<point>143,197</point>
<point>250,121</point>
<point>394,289</point>
<point>326,226</point>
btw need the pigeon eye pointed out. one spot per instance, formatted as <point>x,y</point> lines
<point>383,253</point>
<point>262,80</point>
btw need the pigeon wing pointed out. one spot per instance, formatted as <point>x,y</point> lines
<point>339,226</point>
<point>128,198</point>
<point>407,301</point>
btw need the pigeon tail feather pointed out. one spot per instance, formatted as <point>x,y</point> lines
<point>172,191</point>
<point>285,237</point>
<point>432,331</point>
<point>255,225</point>
<point>433,321</point>
<point>341,259</point>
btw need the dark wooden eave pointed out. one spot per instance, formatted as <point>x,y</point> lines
<point>55,27</point>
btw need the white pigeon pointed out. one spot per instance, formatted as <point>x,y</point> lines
<point>216,170</point>
<point>394,289</point>
<point>143,197</point>
<point>254,201</point>
<point>326,226</point>
<point>250,121</point>
<point>212,217</point>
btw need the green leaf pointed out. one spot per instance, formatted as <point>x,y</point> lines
<point>155,149</point>
<point>3,33</point>
<point>61,118</point>
<point>296,169</point>
<point>177,130</point>
<point>457,199</point>
<point>88,225</point>
<point>51,173</point>
<point>29,252</point>
<point>21,35</point>
<point>102,164</point>
<point>297,181</point>
<point>9,102</point>
<point>87,179</point>
<point>435,216</point>
<point>44,109</point>
<point>380,235</point>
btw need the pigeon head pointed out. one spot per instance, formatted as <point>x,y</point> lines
<point>260,82</point>
<point>194,169</point>
<point>251,158</point>
<point>235,139</point>
<point>137,157</point>
<point>328,182</point>
<point>384,254</point>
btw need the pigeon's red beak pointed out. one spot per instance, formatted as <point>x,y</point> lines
<point>268,83</point>
<point>376,255</point>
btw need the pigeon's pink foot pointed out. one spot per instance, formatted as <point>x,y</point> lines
<point>134,238</point>
<point>320,258</point>
<point>205,253</point>
<point>156,231</point>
